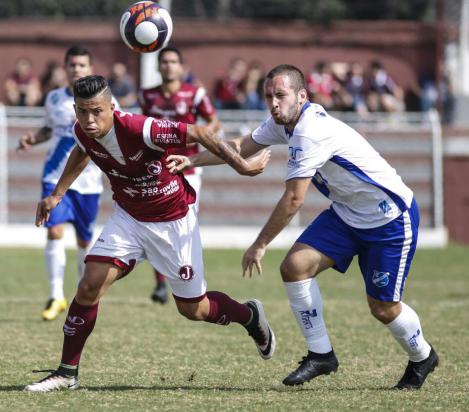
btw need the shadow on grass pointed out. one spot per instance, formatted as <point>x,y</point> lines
<point>189,388</point>
<point>279,389</point>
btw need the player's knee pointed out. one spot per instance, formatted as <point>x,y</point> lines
<point>55,232</point>
<point>385,312</point>
<point>292,272</point>
<point>87,291</point>
<point>190,312</point>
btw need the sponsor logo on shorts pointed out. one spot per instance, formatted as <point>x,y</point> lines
<point>155,168</point>
<point>186,273</point>
<point>380,279</point>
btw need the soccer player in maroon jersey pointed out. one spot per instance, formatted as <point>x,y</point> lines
<point>153,219</point>
<point>181,102</point>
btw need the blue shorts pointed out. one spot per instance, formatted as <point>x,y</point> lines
<point>384,253</point>
<point>78,209</point>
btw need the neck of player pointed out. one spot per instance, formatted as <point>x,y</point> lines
<point>171,86</point>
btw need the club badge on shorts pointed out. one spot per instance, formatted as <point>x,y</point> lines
<point>186,273</point>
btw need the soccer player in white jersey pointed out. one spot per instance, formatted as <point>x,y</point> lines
<point>154,219</point>
<point>80,205</point>
<point>373,215</point>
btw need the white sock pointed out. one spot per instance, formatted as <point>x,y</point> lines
<point>81,254</point>
<point>407,331</point>
<point>306,304</point>
<point>55,263</point>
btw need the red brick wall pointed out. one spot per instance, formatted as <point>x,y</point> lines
<point>405,48</point>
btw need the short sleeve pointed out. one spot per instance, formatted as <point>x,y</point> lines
<point>203,104</point>
<point>48,119</point>
<point>305,156</point>
<point>163,134</point>
<point>269,133</point>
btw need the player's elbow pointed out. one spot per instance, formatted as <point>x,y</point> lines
<point>295,202</point>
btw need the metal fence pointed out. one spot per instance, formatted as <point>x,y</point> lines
<point>411,142</point>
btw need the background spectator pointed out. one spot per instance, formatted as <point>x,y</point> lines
<point>252,87</point>
<point>122,85</point>
<point>384,94</point>
<point>356,87</point>
<point>322,85</point>
<point>53,78</point>
<point>228,89</point>
<point>22,87</point>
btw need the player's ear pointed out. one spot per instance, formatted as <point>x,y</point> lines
<point>302,96</point>
<point>75,108</point>
<point>113,106</point>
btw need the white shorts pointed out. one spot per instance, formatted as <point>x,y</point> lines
<point>173,248</point>
<point>195,180</point>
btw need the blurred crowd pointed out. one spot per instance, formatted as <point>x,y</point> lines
<point>355,86</point>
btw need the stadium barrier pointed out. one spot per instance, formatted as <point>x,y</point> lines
<point>233,208</point>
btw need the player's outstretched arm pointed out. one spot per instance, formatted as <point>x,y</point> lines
<point>287,207</point>
<point>33,138</point>
<point>235,152</point>
<point>77,161</point>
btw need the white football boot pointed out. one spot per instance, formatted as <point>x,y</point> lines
<point>54,382</point>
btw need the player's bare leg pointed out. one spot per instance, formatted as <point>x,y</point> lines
<point>404,325</point>
<point>55,257</point>
<point>78,326</point>
<point>160,293</point>
<point>298,270</point>
<point>219,308</point>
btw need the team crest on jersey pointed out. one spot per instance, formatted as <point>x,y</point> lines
<point>155,168</point>
<point>181,108</point>
<point>380,279</point>
<point>186,273</point>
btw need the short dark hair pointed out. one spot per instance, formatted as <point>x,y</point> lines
<point>77,50</point>
<point>90,86</point>
<point>296,76</point>
<point>167,50</point>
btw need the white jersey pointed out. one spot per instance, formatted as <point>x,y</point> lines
<point>365,191</point>
<point>60,118</point>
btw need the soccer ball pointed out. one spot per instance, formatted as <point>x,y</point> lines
<point>146,27</point>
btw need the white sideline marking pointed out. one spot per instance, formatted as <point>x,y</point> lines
<point>217,237</point>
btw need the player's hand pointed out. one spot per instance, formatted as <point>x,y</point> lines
<point>44,208</point>
<point>26,141</point>
<point>178,163</point>
<point>257,163</point>
<point>252,257</point>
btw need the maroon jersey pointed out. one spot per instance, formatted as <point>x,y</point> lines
<point>185,106</point>
<point>133,156</point>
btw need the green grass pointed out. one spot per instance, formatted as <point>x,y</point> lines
<point>143,356</point>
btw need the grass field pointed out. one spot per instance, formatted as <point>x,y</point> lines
<point>143,356</point>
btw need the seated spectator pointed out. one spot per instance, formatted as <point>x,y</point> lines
<point>322,85</point>
<point>356,87</point>
<point>53,78</point>
<point>22,87</point>
<point>228,89</point>
<point>122,85</point>
<point>252,88</point>
<point>384,94</point>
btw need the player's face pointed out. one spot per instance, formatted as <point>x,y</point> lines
<point>95,115</point>
<point>283,102</point>
<point>78,67</point>
<point>170,66</point>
